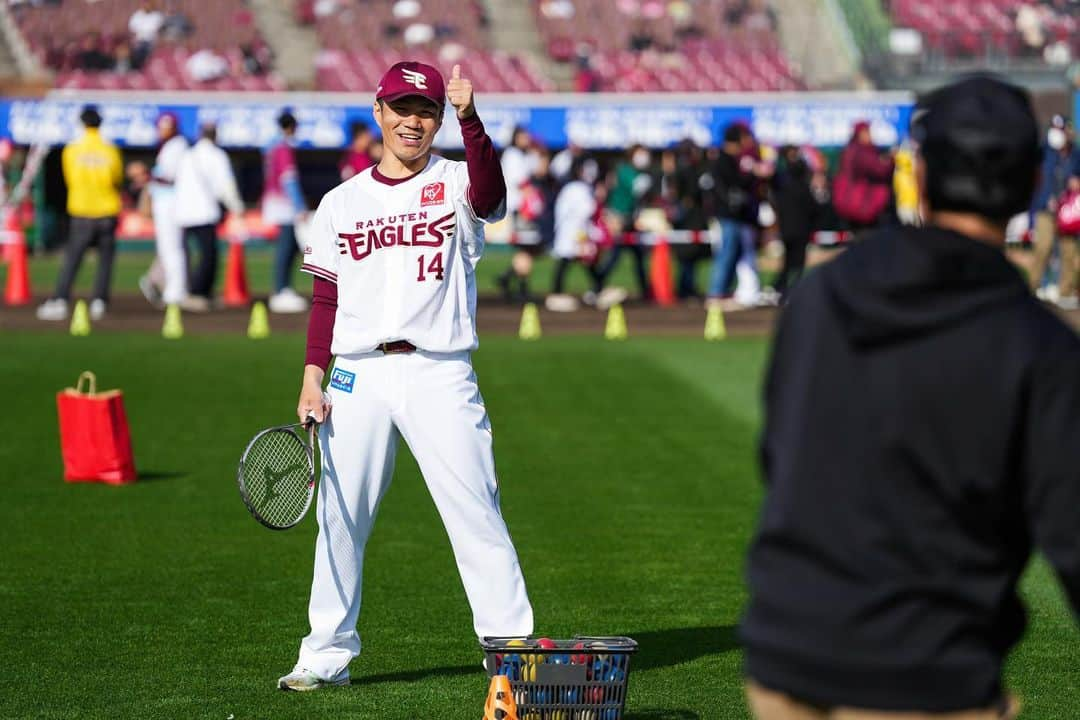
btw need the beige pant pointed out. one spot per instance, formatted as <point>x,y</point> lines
<point>1043,245</point>
<point>770,705</point>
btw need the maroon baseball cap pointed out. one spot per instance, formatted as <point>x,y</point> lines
<point>412,78</point>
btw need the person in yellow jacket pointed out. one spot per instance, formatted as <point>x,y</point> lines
<point>905,187</point>
<point>93,173</point>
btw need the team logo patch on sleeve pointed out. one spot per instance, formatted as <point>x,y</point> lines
<point>342,380</point>
<point>433,194</point>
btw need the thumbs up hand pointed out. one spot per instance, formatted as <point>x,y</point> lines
<point>459,93</point>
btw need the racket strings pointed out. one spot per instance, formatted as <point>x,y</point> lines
<point>277,473</point>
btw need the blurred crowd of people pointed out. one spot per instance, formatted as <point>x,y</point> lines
<point>722,210</point>
<point>743,21</point>
<point>150,26</point>
<point>190,193</point>
<point>590,213</point>
<point>1036,22</point>
<point>408,24</point>
<point>734,201</point>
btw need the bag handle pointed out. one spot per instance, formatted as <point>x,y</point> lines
<point>91,381</point>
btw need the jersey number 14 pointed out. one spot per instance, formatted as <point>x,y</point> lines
<point>434,268</point>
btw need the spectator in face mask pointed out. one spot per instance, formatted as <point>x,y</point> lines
<point>1060,162</point>
<point>575,210</point>
<point>629,183</point>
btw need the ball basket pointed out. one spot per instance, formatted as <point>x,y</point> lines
<point>583,678</point>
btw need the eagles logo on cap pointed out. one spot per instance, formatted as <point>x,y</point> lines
<point>412,78</point>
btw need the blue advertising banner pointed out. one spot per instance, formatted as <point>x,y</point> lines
<point>598,121</point>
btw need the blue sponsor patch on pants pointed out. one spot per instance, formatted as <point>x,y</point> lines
<point>342,380</point>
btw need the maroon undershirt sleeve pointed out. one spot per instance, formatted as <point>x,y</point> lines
<point>487,186</point>
<point>320,331</point>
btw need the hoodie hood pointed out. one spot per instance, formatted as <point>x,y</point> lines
<point>903,283</point>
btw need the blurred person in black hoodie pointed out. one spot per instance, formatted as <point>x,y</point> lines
<point>690,182</point>
<point>735,207</point>
<point>796,210</point>
<point>922,417</point>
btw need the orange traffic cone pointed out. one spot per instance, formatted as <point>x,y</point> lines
<point>660,274</point>
<point>236,288</point>
<point>500,700</point>
<point>17,289</point>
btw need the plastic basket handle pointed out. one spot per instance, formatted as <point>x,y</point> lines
<point>91,382</point>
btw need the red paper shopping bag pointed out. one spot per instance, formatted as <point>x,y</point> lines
<point>94,436</point>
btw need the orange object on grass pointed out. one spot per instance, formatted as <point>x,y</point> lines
<point>660,274</point>
<point>17,288</point>
<point>236,286</point>
<point>500,700</point>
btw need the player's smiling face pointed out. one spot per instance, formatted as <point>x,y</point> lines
<point>408,126</point>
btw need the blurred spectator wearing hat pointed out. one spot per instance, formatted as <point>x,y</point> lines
<point>884,572</point>
<point>1060,175</point>
<point>283,205</point>
<point>93,172</point>
<point>204,183</point>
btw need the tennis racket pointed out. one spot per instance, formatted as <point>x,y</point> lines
<point>277,474</point>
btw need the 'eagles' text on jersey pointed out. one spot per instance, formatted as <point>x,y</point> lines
<point>403,254</point>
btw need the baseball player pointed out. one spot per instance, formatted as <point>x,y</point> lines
<point>393,251</point>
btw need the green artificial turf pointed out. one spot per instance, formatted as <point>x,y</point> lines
<point>628,482</point>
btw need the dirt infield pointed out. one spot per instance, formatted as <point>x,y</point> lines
<point>133,314</point>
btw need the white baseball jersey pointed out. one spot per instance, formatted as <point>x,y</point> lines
<point>403,254</point>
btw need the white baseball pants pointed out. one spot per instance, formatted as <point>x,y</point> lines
<point>433,401</point>
<point>169,239</point>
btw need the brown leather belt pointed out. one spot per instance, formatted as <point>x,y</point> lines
<point>396,346</point>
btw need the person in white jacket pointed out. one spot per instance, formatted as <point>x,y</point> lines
<point>169,240</point>
<point>204,182</point>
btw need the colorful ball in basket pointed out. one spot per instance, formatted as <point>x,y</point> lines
<point>546,643</point>
<point>515,662</point>
<point>580,658</point>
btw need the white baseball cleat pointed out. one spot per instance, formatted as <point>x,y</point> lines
<point>287,300</point>
<point>55,309</point>
<point>611,296</point>
<point>303,680</point>
<point>97,309</point>
<point>561,303</point>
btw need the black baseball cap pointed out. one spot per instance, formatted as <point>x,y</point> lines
<point>980,141</point>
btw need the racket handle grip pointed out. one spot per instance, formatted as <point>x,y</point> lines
<point>310,419</point>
